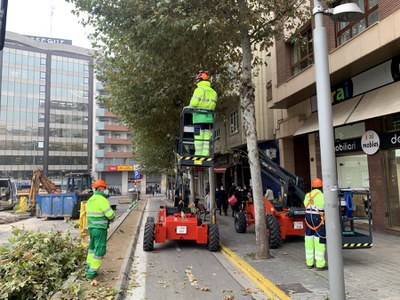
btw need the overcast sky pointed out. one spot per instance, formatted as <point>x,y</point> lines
<point>48,18</point>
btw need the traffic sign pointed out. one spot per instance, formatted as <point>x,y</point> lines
<point>137,174</point>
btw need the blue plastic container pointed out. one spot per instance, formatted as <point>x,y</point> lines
<point>55,205</point>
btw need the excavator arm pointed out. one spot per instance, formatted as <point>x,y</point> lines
<point>37,179</point>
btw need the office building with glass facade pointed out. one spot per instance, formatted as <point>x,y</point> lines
<point>46,108</point>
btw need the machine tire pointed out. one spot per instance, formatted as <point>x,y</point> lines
<point>148,238</point>
<point>213,238</point>
<point>274,228</point>
<point>150,219</point>
<point>240,222</point>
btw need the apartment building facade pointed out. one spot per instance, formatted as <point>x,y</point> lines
<point>364,60</point>
<point>46,107</point>
<point>112,148</point>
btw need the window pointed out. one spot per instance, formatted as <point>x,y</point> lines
<point>234,122</point>
<point>347,30</point>
<point>302,52</point>
<point>217,133</point>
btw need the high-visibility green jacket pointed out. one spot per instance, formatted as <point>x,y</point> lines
<point>317,197</point>
<point>204,96</point>
<point>99,211</point>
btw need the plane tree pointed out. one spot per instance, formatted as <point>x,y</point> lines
<point>147,51</point>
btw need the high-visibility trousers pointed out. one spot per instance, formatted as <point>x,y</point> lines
<point>96,251</point>
<point>202,139</point>
<point>315,242</point>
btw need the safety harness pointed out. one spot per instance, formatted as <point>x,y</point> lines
<point>314,208</point>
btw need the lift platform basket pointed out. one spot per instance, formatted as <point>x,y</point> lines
<point>189,139</point>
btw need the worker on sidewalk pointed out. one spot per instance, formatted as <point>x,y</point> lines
<point>99,213</point>
<point>315,238</point>
<point>205,98</point>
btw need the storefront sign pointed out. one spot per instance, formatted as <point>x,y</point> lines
<point>352,145</point>
<point>370,142</point>
<point>390,140</point>
<point>342,92</point>
<point>376,77</point>
<point>120,168</point>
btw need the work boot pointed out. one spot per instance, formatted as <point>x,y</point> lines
<point>310,267</point>
<point>324,268</point>
<point>91,276</point>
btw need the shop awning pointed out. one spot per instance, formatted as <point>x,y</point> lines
<point>221,168</point>
<point>340,115</point>
<point>379,102</point>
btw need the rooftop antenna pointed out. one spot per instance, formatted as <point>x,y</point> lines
<point>51,17</point>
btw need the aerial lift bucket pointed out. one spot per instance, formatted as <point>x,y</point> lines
<point>186,144</point>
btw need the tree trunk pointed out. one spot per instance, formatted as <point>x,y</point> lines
<point>247,99</point>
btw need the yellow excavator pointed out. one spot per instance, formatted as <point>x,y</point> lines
<point>39,179</point>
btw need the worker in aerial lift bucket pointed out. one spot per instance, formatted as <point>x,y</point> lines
<point>99,214</point>
<point>205,98</point>
<point>315,238</point>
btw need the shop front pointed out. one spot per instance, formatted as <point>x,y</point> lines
<point>366,121</point>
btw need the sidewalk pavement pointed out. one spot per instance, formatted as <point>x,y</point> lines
<point>369,273</point>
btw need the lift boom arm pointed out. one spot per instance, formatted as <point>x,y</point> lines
<point>291,183</point>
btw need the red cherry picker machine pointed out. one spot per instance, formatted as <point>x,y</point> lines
<point>182,222</point>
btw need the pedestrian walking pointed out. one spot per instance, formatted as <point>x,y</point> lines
<point>239,196</point>
<point>99,214</point>
<point>315,238</point>
<point>207,201</point>
<point>269,194</point>
<point>204,97</point>
<point>224,200</point>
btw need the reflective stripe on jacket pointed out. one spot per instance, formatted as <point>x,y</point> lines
<point>98,211</point>
<point>204,96</point>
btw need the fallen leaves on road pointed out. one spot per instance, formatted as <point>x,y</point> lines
<point>228,295</point>
<point>205,289</point>
<point>193,281</point>
<point>94,282</point>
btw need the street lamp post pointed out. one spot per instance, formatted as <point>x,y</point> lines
<point>344,12</point>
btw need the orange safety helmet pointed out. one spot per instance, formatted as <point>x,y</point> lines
<point>98,183</point>
<point>201,75</point>
<point>316,183</point>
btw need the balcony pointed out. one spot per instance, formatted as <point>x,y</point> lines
<point>117,154</point>
<point>102,112</point>
<point>110,127</point>
<point>112,141</point>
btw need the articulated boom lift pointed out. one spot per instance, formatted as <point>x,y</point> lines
<point>282,219</point>
<point>292,205</point>
<point>182,222</point>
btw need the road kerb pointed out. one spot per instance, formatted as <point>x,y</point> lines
<point>263,283</point>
